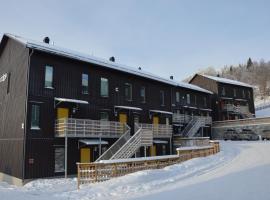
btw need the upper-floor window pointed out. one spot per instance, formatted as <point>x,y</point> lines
<point>162,98</point>
<point>204,101</point>
<point>142,94</point>
<point>188,98</point>
<point>48,77</point>
<point>35,113</point>
<point>84,83</point>
<point>234,92</point>
<point>177,97</point>
<point>104,87</point>
<point>223,92</point>
<point>243,94</point>
<point>128,91</point>
<point>195,100</point>
<point>249,94</point>
<point>104,116</point>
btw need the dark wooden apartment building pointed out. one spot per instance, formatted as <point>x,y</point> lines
<point>59,107</point>
<point>231,99</point>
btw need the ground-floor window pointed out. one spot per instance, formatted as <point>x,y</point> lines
<point>164,149</point>
<point>59,156</point>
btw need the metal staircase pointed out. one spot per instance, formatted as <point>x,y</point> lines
<point>108,154</point>
<point>142,137</point>
<point>126,146</point>
<point>193,126</point>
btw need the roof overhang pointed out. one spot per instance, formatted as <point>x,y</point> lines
<point>161,112</point>
<point>191,107</point>
<point>71,100</point>
<point>93,142</point>
<point>160,141</point>
<point>205,109</point>
<point>241,100</point>
<point>128,108</point>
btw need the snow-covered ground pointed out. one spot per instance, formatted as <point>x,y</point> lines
<point>240,171</point>
<point>263,113</point>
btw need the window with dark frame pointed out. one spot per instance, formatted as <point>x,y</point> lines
<point>142,94</point>
<point>104,116</point>
<point>195,100</point>
<point>223,92</point>
<point>104,87</point>
<point>243,94</point>
<point>249,94</point>
<point>128,91</point>
<point>8,84</point>
<point>162,97</point>
<point>35,114</point>
<point>48,76</point>
<point>204,101</point>
<point>85,83</point>
<point>234,92</point>
<point>188,98</point>
<point>177,97</point>
<point>59,159</point>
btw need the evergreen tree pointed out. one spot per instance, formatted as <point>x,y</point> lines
<point>249,63</point>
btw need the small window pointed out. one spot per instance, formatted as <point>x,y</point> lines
<point>59,159</point>
<point>84,83</point>
<point>249,94</point>
<point>104,87</point>
<point>49,77</point>
<point>243,94</point>
<point>128,91</point>
<point>162,98</point>
<point>204,101</point>
<point>188,98</point>
<point>234,92</point>
<point>104,116</point>
<point>35,116</point>
<point>223,92</point>
<point>142,94</point>
<point>177,97</point>
<point>195,100</point>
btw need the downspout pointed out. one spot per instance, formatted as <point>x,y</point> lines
<point>25,119</point>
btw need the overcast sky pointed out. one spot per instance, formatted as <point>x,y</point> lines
<point>165,37</point>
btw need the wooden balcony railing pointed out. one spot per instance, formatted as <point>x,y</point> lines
<point>159,130</point>
<point>71,127</point>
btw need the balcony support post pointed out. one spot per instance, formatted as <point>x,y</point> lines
<point>66,149</point>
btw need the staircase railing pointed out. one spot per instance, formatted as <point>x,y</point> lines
<point>142,137</point>
<point>199,123</point>
<point>108,154</point>
<point>189,126</point>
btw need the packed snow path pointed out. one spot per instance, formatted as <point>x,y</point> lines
<point>240,171</point>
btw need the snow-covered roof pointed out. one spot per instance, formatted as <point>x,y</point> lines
<point>93,142</point>
<point>71,100</point>
<point>52,49</point>
<point>228,81</point>
<point>161,111</point>
<point>128,108</point>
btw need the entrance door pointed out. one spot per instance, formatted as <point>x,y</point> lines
<point>123,118</point>
<point>85,155</point>
<point>62,113</point>
<point>153,150</point>
<point>155,120</point>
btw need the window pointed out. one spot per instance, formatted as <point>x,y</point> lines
<point>223,92</point>
<point>8,84</point>
<point>104,87</point>
<point>104,116</point>
<point>249,95</point>
<point>128,91</point>
<point>234,92</point>
<point>243,94</point>
<point>35,109</point>
<point>49,77</point>
<point>188,98</point>
<point>204,101</point>
<point>195,100</point>
<point>84,83</point>
<point>177,97</point>
<point>59,159</point>
<point>162,98</point>
<point>142,94</point>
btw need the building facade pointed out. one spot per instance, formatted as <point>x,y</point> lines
<point>59,107</point>
<point>231,100</point>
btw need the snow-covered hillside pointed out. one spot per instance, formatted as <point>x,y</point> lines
<point>239,171</point>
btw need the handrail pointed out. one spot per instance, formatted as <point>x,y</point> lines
<point>159,130</point>
<point>108,154</point>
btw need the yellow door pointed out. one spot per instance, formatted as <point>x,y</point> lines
<point>155,120</point>
<point>85,155</point>
<point>123,118</point>
<point>153,150</point>
<point>62,113</point>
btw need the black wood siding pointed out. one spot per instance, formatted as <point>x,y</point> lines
<point>13,60</point>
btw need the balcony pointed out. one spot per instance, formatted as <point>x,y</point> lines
<point>70,127</point>
<point>159,130</point>
<point>236,109</point>
<point>229,107</point>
